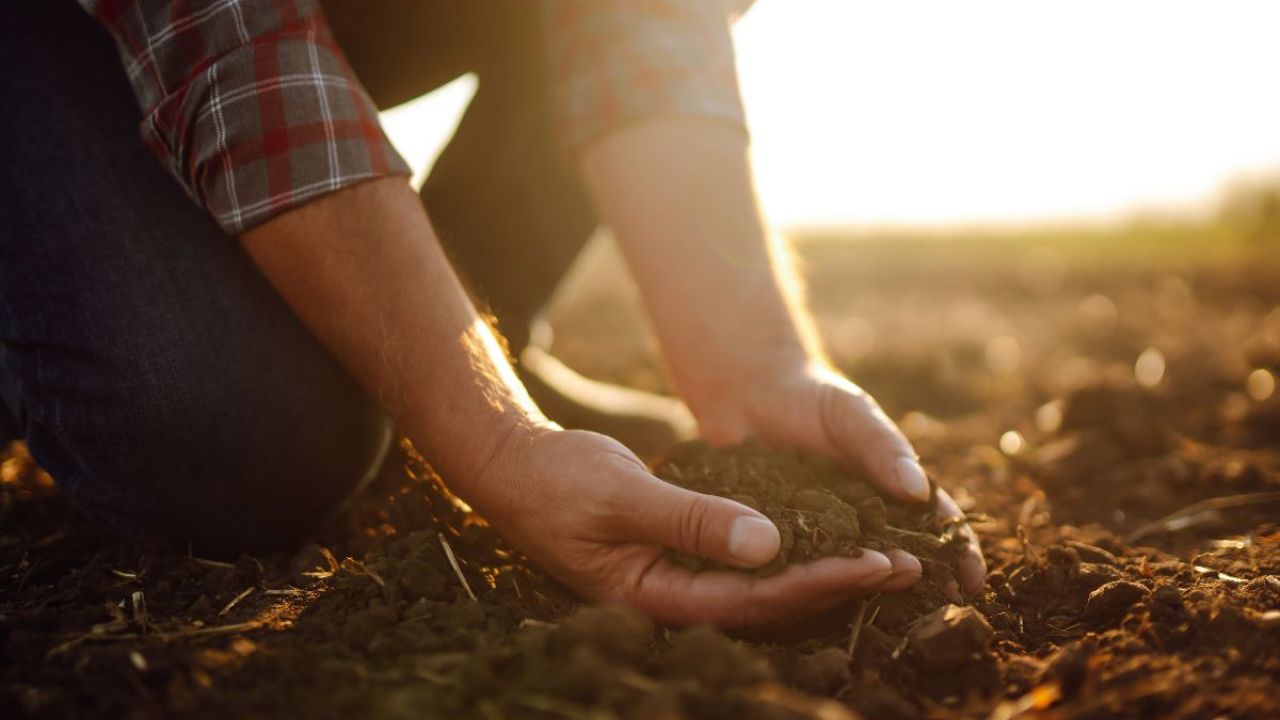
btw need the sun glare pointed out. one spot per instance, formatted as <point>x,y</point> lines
<point>998,110</point>
<point>1004,110</point>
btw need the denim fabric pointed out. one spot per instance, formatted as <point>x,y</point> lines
<point>152,370</point>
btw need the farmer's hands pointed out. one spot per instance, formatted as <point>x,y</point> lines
<point>584,508</point>
<point>807,405</point>
<point>678,194</point>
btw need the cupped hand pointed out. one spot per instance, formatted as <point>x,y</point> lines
<point>813,407</point>
<point>585,509</point>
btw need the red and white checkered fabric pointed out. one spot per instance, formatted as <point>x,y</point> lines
<point>253,108</point>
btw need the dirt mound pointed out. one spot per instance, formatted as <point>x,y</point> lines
<point>820,509</point>
<point>1117,448</point>
<point>1135,560</point>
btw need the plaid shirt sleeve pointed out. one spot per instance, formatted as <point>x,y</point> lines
<point>249,103</point>
<point>617,62</point>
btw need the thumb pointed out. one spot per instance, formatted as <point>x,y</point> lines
<point>702,525</point>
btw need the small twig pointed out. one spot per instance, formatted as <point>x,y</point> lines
<point>857,627</point>
<point>453,562</point>
<point>1219,575</point>
<point>283,591</point>
<point>1029,507</point>
<point>359,567</point>
<point>1201,512</point>
<point>902,646</point>
<point>140,616</point>
<point>214,563</point>
<point>1030,555</point>
<point>163,636</point>
<point>235,601</point>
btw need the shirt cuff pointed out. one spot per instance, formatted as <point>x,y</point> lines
<point>619,62</point>
<point>270,126</point>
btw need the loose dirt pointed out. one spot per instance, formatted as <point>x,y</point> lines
<point>1131,533</point>
<point>820,509</point>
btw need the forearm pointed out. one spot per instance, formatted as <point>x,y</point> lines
<point>363,269</point>
<point>678,194</point>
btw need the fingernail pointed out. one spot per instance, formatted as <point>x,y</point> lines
<point>911,478</point>
<point>753,541</point>
<point>952,591</point>
<point>905,563</point>
<point>875,577</point>
<point>972,575</point>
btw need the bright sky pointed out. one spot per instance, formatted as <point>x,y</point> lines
<point>936,112</point>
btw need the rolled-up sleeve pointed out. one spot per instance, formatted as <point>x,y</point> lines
<point>249,103</point>
<point>617,62</point>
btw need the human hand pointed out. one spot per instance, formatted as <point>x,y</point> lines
<point>585,509</point>
<point>810,406</point>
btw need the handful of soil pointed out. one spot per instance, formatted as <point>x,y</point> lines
<point>821,510</point>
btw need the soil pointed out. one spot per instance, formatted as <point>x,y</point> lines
<point>1131,533</point>
<point>820,509</point>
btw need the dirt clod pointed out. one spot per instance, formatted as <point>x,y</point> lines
<point>822,672</point>
<point>380,627</point>
<point>820,509</point>
<point>1112,600</point>
<point>717,661</point>
<point>951,637</point>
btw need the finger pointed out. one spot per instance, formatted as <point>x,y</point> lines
<point>972,572</point>
<point>676,596</point>
<point>651,510</point>
<point>868,439</point>
<point>907,571</point>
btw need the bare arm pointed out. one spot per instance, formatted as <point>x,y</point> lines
<point>363,269</point>
<point>679,196</point>
<point>678,193</point>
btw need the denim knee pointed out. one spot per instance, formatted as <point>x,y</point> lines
<point>152,369</point>
<point>225,468</point>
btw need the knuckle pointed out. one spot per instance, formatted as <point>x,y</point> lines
<point>609,500</point>
<point>691,515</point>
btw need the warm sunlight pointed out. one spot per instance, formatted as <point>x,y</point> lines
<point>942,111</point>
<point>935,112</point>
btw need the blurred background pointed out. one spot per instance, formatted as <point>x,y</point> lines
<point>996,204</point>
<point>936,113</point>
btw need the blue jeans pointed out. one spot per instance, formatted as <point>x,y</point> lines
<point>150,367</point>
<point>152,370</point>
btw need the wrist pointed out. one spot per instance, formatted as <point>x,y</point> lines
<point>742,398</point>
<point>467,454</point>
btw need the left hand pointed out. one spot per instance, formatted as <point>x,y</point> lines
<point>815,408</point>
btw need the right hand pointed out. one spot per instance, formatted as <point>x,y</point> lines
<point>585,509</point>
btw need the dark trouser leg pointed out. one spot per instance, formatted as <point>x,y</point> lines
<point>8,423</point>
<point>511,212</point>
<point>154,372</point>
